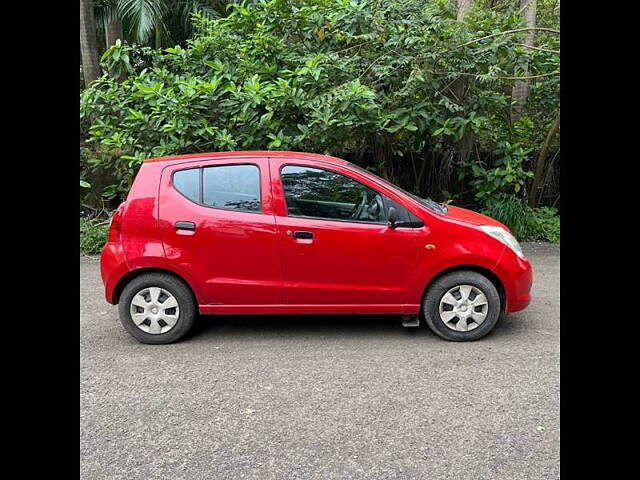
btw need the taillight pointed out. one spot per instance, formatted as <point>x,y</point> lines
<point>114,226</point>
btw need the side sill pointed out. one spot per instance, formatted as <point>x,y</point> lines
<point>400,309</point>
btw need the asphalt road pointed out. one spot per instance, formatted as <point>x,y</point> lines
<point>309,397</point>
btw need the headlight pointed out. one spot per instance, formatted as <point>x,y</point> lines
<point>505,237</point>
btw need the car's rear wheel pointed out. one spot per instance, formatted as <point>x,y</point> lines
<point>461,306</point>
<point>157,308</point>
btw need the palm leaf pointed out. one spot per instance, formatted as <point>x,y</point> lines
<point>106,11</point>
<point>186,8</point>
<point>143,17</point>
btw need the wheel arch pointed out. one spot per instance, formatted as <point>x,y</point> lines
<point>122,282</point>
<point>491,276</point>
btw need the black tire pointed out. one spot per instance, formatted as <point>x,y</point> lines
<point>435,292</point>
<point>188,309</point>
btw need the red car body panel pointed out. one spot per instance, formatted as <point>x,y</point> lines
<point>248,262</point>
<point>469,216</point>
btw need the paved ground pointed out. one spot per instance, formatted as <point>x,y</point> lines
<point>322,397</point>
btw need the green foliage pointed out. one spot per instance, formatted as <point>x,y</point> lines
<point>93,235</point>
<point>526,223</point>
<point>549,223</point>
<point>399,87</point>
<point>505,175</point>
<point>149,21</point>
<point>144,16</point>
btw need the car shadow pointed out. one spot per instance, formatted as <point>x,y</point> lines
<point>300,325</point>
<point>331,325</point>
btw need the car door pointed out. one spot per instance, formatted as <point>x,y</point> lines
<point>216,222</point>
<point>336,251</point>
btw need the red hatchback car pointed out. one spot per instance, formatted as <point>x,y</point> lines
<point>300,233</point>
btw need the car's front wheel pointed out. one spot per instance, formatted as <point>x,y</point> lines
<point>157,308</point>
<point>461,306</point>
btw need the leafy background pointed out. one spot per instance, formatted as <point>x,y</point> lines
<point>410,89</point>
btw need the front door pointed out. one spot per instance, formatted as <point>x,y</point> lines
<point>216,222</point>
<point>336,246</point>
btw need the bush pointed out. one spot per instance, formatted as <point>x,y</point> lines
<point>549,223</point>
<point>93,235</point>
<point>526,223</point>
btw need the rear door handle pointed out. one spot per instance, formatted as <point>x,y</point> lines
<point>303,234</point>
<point>181,225</point>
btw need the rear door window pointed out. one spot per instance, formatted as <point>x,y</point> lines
<point>229,187</point>
<point>235,187</point>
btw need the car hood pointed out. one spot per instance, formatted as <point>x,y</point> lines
<point>469,216</point>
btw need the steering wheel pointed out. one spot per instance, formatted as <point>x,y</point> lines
<point>358,210</point>
<point>376,209</point>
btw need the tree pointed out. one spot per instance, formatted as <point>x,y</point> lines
<point>144,19</point>
<point>153,22</point>
<point>465,144</point>
<point>113,30</point>
<point>540,164</point>
<point>88,47</point>
<point>462,9</point>
<point>520,90</point>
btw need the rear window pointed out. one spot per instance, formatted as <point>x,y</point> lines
<point>234,187</point>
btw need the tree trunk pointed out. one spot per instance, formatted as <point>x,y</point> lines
<point>158,38</point>
<point>462,9</point>
<point>88,42</point>
<point>112,31</point>
<point>542,157</point>
<point>520,90</point>
<point>465,144</point>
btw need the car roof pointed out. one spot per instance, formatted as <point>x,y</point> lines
<point>250,153</point>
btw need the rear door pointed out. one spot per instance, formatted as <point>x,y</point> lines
<point>217,222</point>
<point>337,248</point>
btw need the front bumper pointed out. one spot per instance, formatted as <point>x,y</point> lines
<point>516,275</point>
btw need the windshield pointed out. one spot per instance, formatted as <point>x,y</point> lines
<point>427,202</point>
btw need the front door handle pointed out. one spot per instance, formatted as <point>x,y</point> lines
<point>182,225</point>
<point>303,234</point>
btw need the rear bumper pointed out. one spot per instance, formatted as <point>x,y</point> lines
<point>516,275</point>
<point>113,266</point>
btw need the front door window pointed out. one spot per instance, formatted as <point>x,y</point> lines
<point>324,194</point>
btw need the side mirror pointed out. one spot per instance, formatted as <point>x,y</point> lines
<point>392,219</point>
